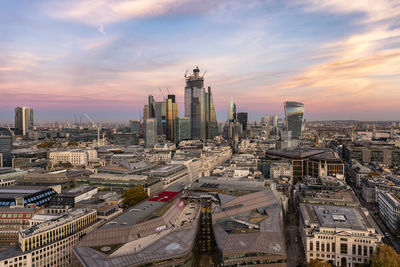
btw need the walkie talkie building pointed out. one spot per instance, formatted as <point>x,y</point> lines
<point>294,112</point>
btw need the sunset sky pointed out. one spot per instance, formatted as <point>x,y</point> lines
<point>340,58</point>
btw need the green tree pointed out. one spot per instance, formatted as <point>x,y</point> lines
<point>319,263</point>
<point>385,256</point>
<point>72,143</point>
<point>134,195</point>
<point>49,144</point>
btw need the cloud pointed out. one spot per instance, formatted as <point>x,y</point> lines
<point>101,29</point>
<point>98,12</point>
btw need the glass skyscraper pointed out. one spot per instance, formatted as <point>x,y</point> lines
<point>294,112</point>
<point>199,107</point>
<point>23,120</point>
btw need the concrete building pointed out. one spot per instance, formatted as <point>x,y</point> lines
<point>21,196</point>
<point>5,149</point>
<point>150,133</point>
<point>280,169</point>
<point>389,210</point>
<point>50,243</point>
<point>135,126</point>
<point>248,230</point>
<point>158,232</point>
<point>77,157</point>
<point>71,197</point>
<point>171,174</point>
<point>342,236</point>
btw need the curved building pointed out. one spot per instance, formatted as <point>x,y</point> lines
<point>294,112</point>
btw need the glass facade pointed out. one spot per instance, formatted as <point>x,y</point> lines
<point>294,112</point>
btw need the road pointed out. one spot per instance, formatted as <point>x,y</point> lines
<point>391,241</point>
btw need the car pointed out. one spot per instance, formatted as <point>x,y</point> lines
<point>387,234</point>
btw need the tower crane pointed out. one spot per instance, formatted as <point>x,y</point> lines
<point>162,93</point>
<point>97,127</point>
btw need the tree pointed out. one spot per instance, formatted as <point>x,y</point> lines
<point>134,195</point>
<point>385,256</point>
<point>319,263</point>
<point>72,143</point>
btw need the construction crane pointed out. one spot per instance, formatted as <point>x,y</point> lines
<point>168,91</point>
<point>95,125</point>
<point>204,74</point>
<point>162,93</point>
<point>186,72</point>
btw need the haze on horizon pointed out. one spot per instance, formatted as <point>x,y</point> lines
<point>104,57</point>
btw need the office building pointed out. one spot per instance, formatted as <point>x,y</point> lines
<point>23,120</point>
<point>5,149</point>
<point>294,112</point>
<point>50,242</point>
<point>389,209</point>
<point>150,133</point>
<point>18,195</point>
<point>160,231</point>
<point>161,116</point>
<point>77,157</point>
<point>232,111</point>
<point>242,118</point>
<point>342,236</point>
<point>199,107</point>
<point>265,120</point>
<point>275,121</point>
<point>146,112</point>
<point>171,114</point>
<point>135,126</point>
<point>182,129</point>
<point>12,220</point>
<point>71,197</point>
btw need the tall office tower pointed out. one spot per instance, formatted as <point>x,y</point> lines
<point>5,147</point>
<point>199,107</point>
<point>150,132</point>
<point>242,117</point>
<point>275,121</point>
<point>146,112</point>
<point>294,112</point>
<point>232,111</point>
<point>135,127</point>
<point>211,117</point>
<point>182,129</point>
<point>160,115</point>
<point>172,113</point>
<point>152,107</point>
<point>265,119</point>
<point>23,120</point>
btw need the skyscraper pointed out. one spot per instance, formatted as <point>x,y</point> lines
<point>5,147</point>
<point>160,115</point>
<point>135,126</point>
<point>242,117</point>
<point>152,112</point>
<point>150,132</point>
<point>199,107</point>
<point>275,121</point>
<point>182,129</point>
<point>171,114</point>
<point>232,111</point>
<point>23,120</point>
<point>294,112</point>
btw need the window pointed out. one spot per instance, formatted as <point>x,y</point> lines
<point>311,245</point>
<point>317,245</point>
<point>343,248</point>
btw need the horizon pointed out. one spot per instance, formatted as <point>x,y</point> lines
<point>105,57</point>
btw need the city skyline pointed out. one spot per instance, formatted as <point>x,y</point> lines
<point>106,57</point>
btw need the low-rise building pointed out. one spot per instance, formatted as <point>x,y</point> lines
<point>23,195</point>
<point>389,209</point>
<point>50,243</point>
<point>77,157</point>
<point>342,236</point>
<point>71,197</point>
